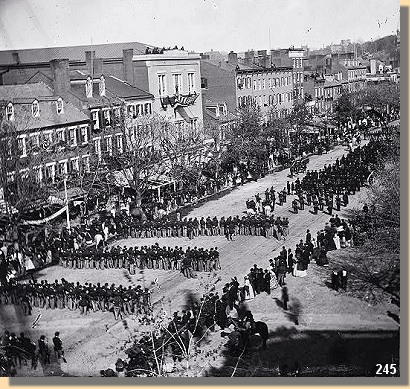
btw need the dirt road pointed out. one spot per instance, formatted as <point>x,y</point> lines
<point>90,347</point>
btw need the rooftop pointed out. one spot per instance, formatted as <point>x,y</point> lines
<point>22,97</point>
<point>73,53</point>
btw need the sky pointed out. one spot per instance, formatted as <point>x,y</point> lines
<point>198,25</point>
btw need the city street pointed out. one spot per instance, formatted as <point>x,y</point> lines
<point>320,308</point>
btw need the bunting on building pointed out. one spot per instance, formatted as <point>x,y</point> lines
<point>179,100</point>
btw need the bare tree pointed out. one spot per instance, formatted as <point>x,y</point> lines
<point>19,161</point>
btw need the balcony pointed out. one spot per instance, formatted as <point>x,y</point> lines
<point>179,100</point>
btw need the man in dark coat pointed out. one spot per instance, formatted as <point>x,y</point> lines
<point>58,347</point>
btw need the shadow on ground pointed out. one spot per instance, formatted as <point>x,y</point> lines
<point>291,352</point>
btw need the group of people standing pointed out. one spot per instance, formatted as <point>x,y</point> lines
<point>75,296</point>
<point>18,350</point>
<point>144,257</point>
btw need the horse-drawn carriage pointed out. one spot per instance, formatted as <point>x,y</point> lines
<point>299,166</point>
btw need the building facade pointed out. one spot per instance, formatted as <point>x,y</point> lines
<point>291,57</point>
<point>174,80</point>
<point>267,88</point>
<point>52,135</point>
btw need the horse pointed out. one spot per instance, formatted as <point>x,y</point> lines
<point>252,339</point>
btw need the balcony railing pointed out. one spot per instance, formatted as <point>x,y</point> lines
<point>179,100</point>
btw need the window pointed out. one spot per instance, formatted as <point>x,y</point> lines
<point>147,108</point>
<point>191,83</point>
<point>96,120</point>
<point>260,84</point>
<point>86,163</point>
<point>10,111</point>
<point>254,84</point>
<point>72,136</point>
<point>107,118</point>
<point>249,81</point>
<point>119,143</point>
<point>47,139</point>
<point>97,147</point>
<point>89,87</point>
<point>74,164</point>
<point>270,83</point>
<point>193,124</point>
<point>162,87</point>
<point>38,170</point>
<point>204,83</point>
<point>117,115</point>
<point>84,134</point>
<point>60,106</point>
<point>108,144</point>
<point>60,136</point>
<point>50,171</point>
<point>263,84</point>
<point>222,107</point>
<point>101,86</point>
<point>35,109</point>
<point>35,140</point>
<point>177,78</point>
<point>62,168</point>
<point>21,144</point>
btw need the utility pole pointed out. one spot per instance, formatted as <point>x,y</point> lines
<point>66,204</point>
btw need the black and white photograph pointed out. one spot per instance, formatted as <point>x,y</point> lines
<point>200,188</point>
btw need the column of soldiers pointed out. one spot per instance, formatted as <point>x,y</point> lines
<point>329,188</point>
<point>75,296</point>
<point>144,257</point>
<point>263,225</point>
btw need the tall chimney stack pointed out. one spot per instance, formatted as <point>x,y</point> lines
<point>89,61</point>
<point>233,58</point>
<point>60,75</point>
<point>128,68</point>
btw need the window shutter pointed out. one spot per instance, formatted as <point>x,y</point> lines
<point>29,144</point>
<point>78,132</point>
<point>101,119</point>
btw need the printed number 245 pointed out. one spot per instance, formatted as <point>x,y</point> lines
<point>389,369</point>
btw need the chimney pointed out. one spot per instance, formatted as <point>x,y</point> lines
<point>89,61</point>
<point>98,65</point>
<point>128,67</point>
<point>373,66</point>
<point>61,78</point>
<point>233,58</point>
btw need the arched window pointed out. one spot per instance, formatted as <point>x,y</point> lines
<point>60,105</point>
<point>89,87</point>
<point>10,111</point>
<point>35,109</point>
<point>101,86</point>
<point>239,101</point>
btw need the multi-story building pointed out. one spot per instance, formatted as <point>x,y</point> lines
<point>266,87</point>
<point>291,57</point>
<point>102,98</point>
<point>174,79</point>
<point>52,135</point>
<point>239,84</point>
<point>171,76</point>
<point>322,91</point>
<point>352,70</point>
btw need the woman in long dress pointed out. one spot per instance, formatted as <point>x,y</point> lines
<point>300,269</point>
<point>248,289</point>
<point>273,280</point>
<point>336,239</point>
